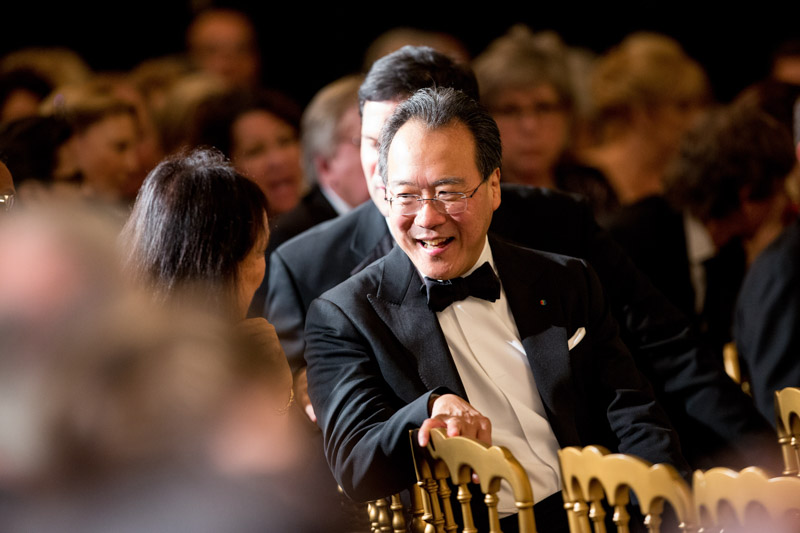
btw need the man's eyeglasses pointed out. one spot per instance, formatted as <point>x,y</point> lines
<point>6,201</point>
<point>444,202</point>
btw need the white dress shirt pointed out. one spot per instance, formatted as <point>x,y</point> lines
<point>340,206</point>
<point>699,248</point>
<point>491,361</point>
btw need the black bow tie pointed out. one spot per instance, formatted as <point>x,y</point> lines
<point>482,283</point>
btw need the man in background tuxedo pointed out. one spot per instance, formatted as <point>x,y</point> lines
<point>718,424</point>
<point>524,353</point>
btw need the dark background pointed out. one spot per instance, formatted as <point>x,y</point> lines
<point>306,45</point>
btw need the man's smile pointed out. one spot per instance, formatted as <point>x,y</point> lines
<point>435,243</point>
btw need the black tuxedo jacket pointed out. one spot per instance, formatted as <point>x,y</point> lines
<point>767,323</point>
<point>652,233</point>
<point>717,422</point>
<point>375,352</point>
<point>313,262</point>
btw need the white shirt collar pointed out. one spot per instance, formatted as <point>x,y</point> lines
<point>340,206</point>
<point>485,257</point>
<point>699,245</point>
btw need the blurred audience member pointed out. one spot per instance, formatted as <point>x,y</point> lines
<point>136,404</point>
<point>56,64</point>
<point>106,137</point>
<point>725,201</point>
<point>526,84</point>
<point>396,38</point>
<point>21,93</point>
<point>155,79</point>
<point>119,415</point>
<point>258,131</point>
<point>765,322</point>
<point>58,264</point>
<point>330,139</point>
<point>731,175</point>
<point>780,100</point>
<point>223,41</point>
<point>777,98</point>
<point>149,149</point>
<point>176,116</point>
<point>37,150</point>
<point>646,92</point>
<point>785,65</point>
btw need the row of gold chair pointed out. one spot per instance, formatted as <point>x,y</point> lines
<point>597,483</point>
<point>787,422</point>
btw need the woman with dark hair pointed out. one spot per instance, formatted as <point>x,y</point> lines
<point>197,235</point>
<point>258,131</point>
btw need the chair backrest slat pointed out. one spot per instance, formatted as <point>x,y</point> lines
<point>592,476</point>
<point>721,490</point>
<point>787,421</point>
<point>452,460</point>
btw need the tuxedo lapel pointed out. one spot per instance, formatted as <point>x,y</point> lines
<point>535,305</point>
<point>401,304</point>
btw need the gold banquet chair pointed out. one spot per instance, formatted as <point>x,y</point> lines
<point>749,500</point>
<point>592,476</point>
<point>454,459</point>
<point>388,515</point>
<point>787,421</point>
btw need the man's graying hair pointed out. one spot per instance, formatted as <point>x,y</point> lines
<point>439,107</point>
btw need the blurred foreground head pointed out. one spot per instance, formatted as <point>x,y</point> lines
<point>57,264</point>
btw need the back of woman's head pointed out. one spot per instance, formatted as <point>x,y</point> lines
<point>195,219</point>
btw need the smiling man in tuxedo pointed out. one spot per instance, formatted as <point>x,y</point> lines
<point>527,355</point>
<point>717,422</point>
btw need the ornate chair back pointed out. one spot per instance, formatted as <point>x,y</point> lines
<point>454,459</point>
<point>593,476</point>
<point>787,421</point>
<point>746,501</point>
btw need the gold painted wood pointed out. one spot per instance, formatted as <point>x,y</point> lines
<point>721,491</point>
<point>592,475</point>
<point>398,519</point>
<point>455,459</point>
<point>730,360</point>
<point>787,421</point>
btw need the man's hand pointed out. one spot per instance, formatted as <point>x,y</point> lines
<point>459,417</point>
<point>301,393</point>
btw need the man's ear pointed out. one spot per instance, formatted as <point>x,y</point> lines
<point>494,186</point>
<point>322,168</point>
